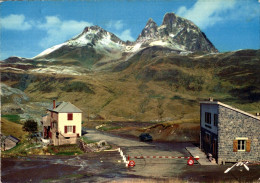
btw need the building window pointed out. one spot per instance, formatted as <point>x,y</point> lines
<point>207,117</point>
<point>241,144</point>
<point>215,120</point>
<point>70,116</point>
<point>70,129</point>
<point>54,125</point>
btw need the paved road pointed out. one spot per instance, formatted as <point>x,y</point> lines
<point>106,166</point>
<point>148,167</point>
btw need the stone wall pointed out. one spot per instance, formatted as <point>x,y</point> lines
<point>61,140</point>
<point>233,124</point>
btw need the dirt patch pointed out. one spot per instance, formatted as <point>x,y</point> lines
<point>180,132</point>
<point>183,132</point>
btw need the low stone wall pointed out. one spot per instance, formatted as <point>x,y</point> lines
<point>93,147</point>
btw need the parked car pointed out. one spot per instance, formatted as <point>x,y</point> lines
<point>145,137</point>
<point>84,131</point>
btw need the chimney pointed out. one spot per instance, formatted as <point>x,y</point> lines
<point>211,99</point>
<point>54,104</point>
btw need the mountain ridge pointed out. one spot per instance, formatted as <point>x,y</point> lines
<point>95,46</point>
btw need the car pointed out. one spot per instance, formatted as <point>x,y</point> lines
<point>145,137</point>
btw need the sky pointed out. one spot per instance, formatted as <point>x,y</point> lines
<point>29,27</point>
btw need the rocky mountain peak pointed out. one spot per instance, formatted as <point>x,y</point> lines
<point>175,33</point>
<point>169,19</point>
<point>151,23</point>
<point>149,31</point>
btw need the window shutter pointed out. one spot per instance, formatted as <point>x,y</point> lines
<point>65,129</point>
<point>235,144</point>
<point>74,129</point>
<point>248,144</point>
<point>70,116</point>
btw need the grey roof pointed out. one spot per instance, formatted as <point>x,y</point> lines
<point>65,107</point>
<point>12,138</point>
<point>232,108</point>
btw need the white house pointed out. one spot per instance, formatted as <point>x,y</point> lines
<point>62,123</point>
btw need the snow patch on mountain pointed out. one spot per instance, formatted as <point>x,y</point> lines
<point>49,50</point>
<point>80,41</point>
<point>136,47</point>
<point>108,44</point>
<point>159,43</point>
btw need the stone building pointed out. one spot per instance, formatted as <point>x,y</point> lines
<point>229,134</point>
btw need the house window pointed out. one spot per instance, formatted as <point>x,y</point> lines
<point>54,125</point>
<point>207,117</point>
<point>241,144</point>
<point>215,120</point>
<point>70,116</point>
<point>70,129</point>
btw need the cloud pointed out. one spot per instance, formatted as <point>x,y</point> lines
<point>59,31</point>
<point>125,35</point>
<point>208,13</point>
<point>15,22</point>
<point>115,24</point>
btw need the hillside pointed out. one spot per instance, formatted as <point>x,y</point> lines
<point>154,85</point>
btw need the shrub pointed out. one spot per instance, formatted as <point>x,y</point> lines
<point>77,87</point>
<point>30,126</point>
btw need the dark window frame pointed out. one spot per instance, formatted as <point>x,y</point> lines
<point>208,118</point>
<point>215,120</point>
<point>241,145</point>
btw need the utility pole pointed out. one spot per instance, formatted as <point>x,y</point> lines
<point>88,114</point>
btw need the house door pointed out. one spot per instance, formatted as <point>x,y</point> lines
<point>214,150</point>
<point>45,132</point>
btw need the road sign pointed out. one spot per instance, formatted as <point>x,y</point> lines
<point>131,163</point>
<point>190,162</point>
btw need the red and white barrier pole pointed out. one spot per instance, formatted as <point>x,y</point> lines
<point>190,161</point>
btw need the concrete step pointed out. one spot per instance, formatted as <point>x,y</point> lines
<point>195,151</point>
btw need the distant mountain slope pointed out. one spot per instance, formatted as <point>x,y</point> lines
<point>155,85</point>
